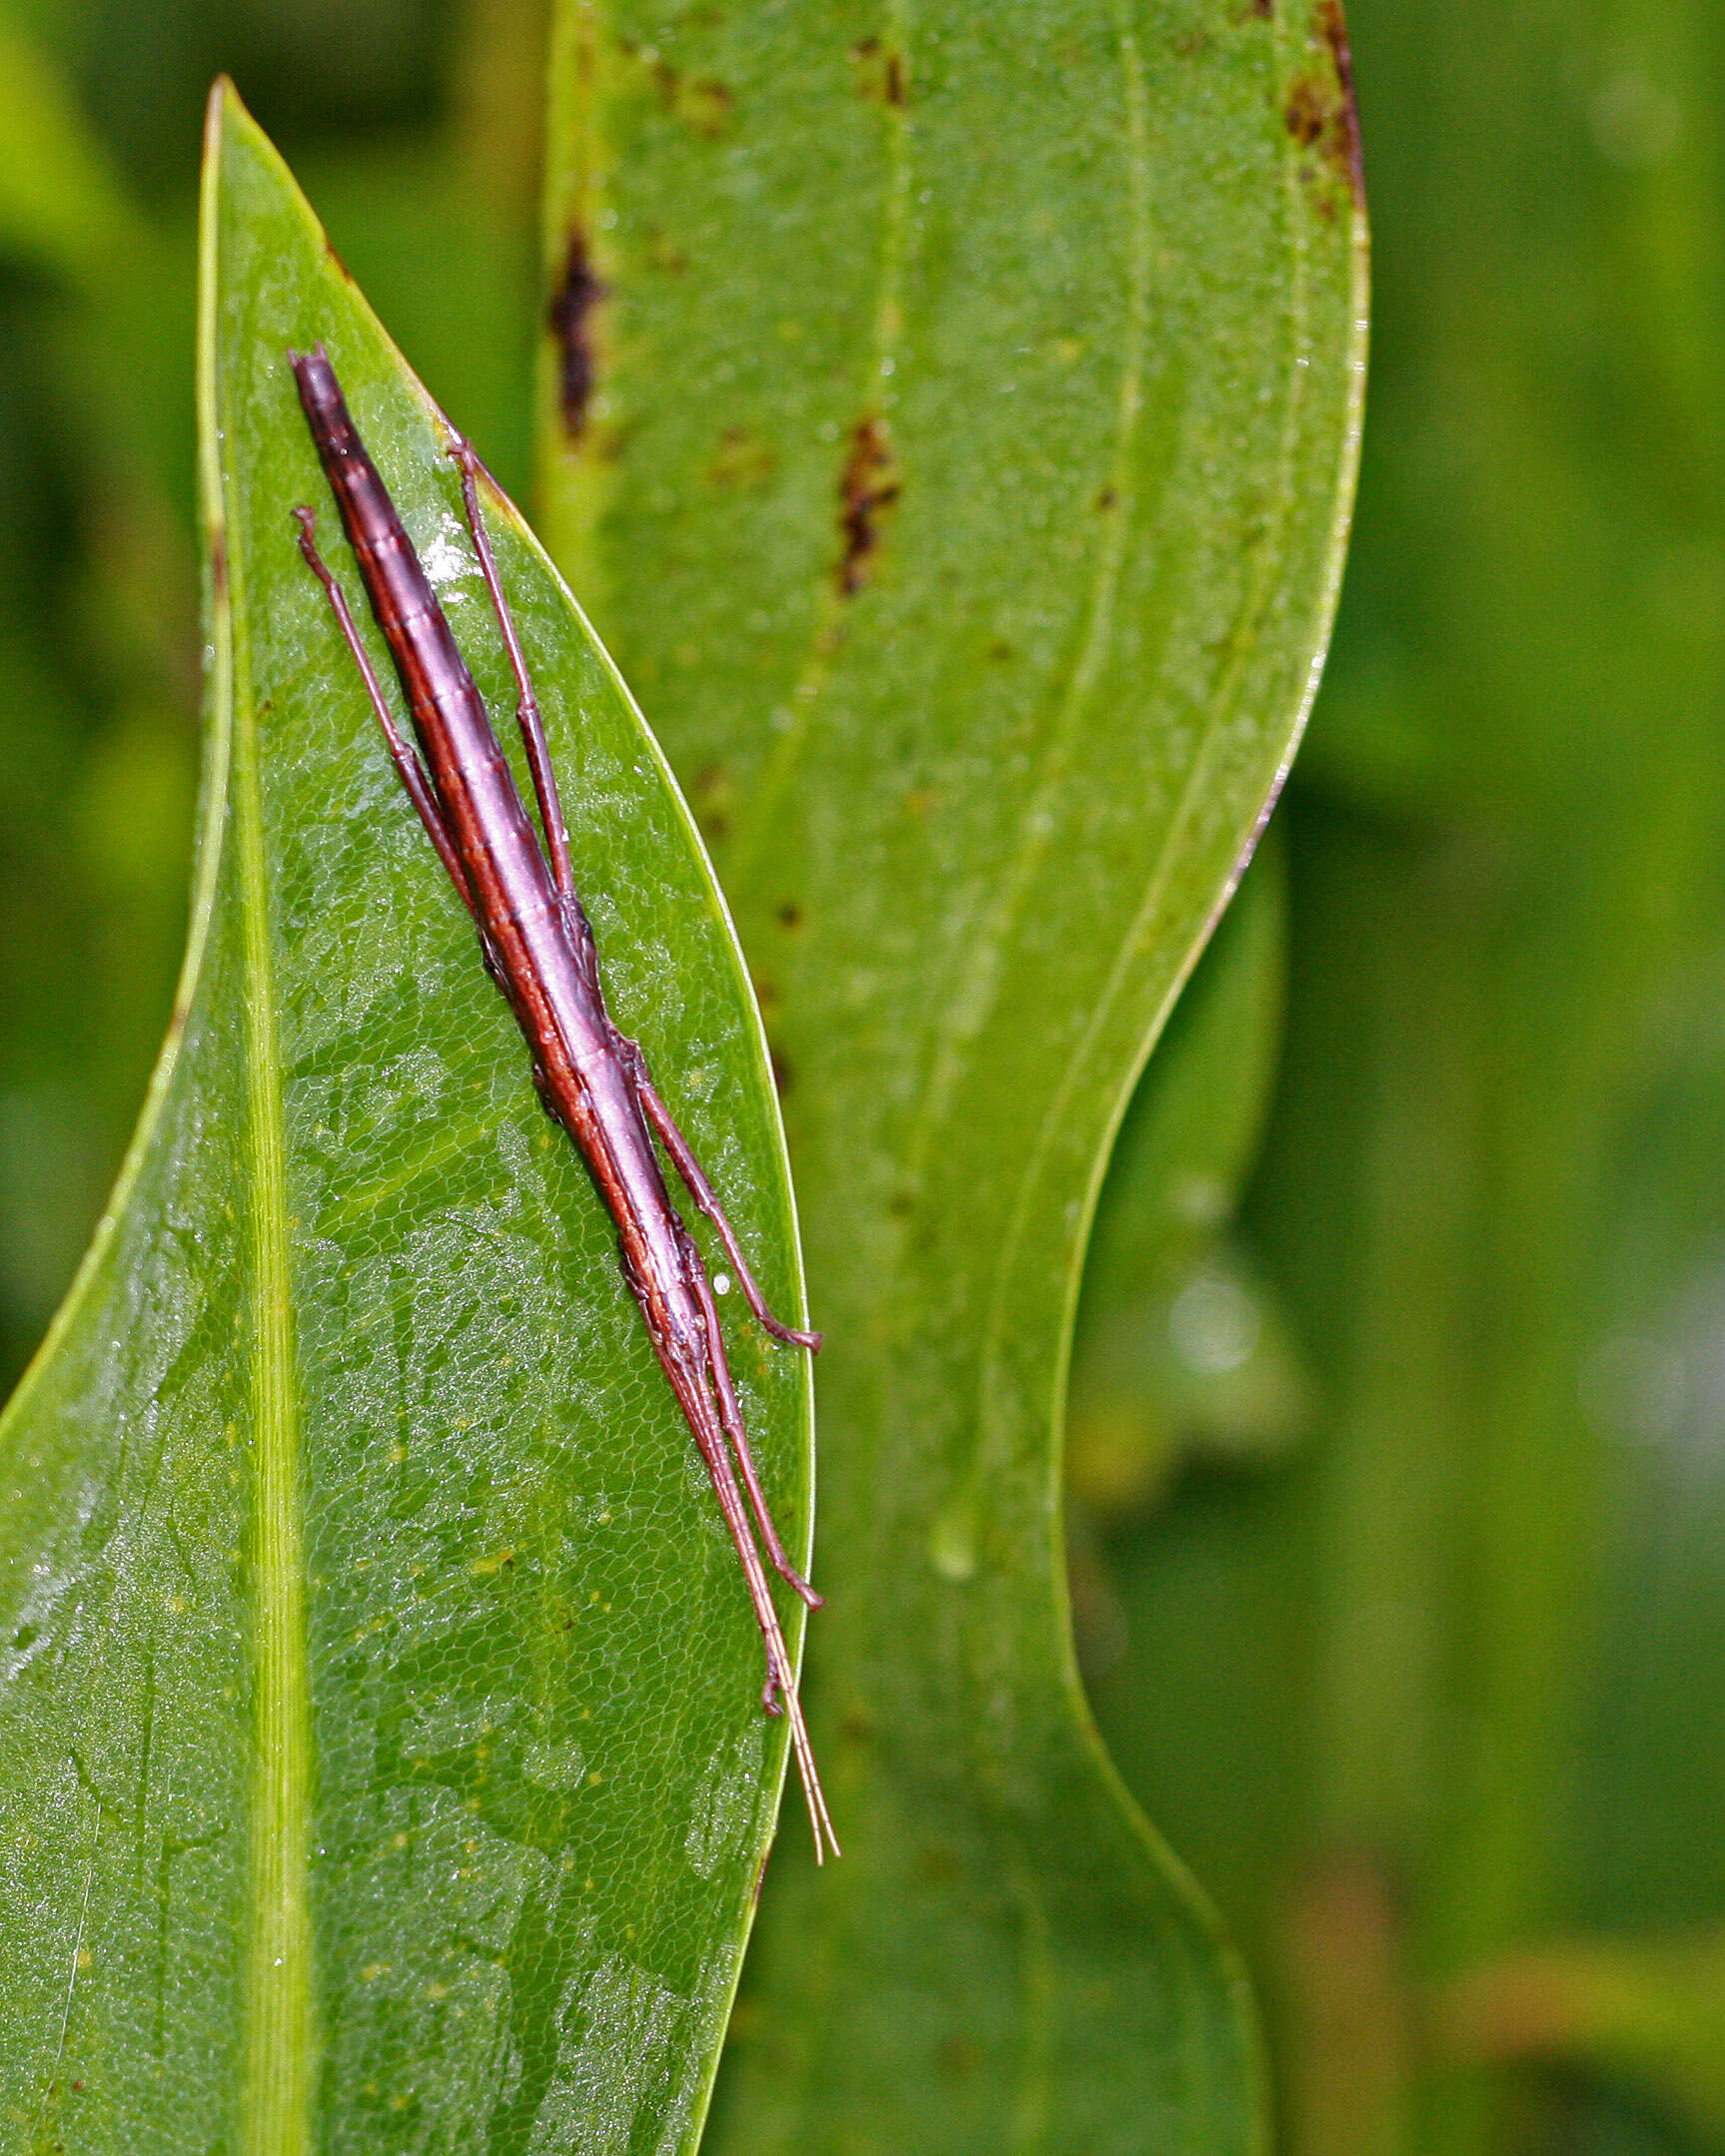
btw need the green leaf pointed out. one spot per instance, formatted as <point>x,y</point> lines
<point>1178,1344</point>
<point>953,428</point>
<point>383,1764</point>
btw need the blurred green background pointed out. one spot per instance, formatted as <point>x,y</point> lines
<point>1398,1416</point>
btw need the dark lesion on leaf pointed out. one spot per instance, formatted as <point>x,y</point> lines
<point>1332,24</point>
<point>703,103</point>
<point>570,316</point>
<point>713,797</point>
<point>870,484</point>
<point>706,107</point>
<point>1321,113</point>
<point>881,73</point>
<point>742,462</point>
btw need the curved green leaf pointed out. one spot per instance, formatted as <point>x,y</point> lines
<point>383,1762</point>
<point>1177,1345</point>
<point>954,421</point>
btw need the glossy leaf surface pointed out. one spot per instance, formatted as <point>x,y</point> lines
<point>953,422</point>
<point>382,1763</point>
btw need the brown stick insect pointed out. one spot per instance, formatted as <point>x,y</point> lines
<point>537,946</point>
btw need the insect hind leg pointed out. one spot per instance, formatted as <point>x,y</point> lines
<point>731,1415</point>
<point>695,1182</point>
<point>779,1693</point>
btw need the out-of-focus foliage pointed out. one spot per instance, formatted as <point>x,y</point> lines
<point>1439,1712</point>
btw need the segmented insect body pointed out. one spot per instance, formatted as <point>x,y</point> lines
<point>537,946</point>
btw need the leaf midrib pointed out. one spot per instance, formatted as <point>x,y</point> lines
<point>278,2064</point>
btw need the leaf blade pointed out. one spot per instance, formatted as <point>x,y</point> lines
<point>978,401</point>
<point>444,1781</point>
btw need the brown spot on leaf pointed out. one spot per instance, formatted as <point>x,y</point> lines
<point>881,74</point>
<point>781,1073</point>
<point>703,103</point>
<point>870,484</point>
<point>1321,113</point>
<point>705,107</point>
<point>741,460</point>
<point>1308,113</point>
<point>664,253</point>
<point>791,914</point>
<point>712,797</point>
<point>1333,25</point>
<point>570,316</point>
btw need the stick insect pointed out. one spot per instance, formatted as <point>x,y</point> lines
<point>537,946</point>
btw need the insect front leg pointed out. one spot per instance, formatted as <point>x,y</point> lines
<point>408,766</point>
<point>528,716</point>
<point>731,1415</point>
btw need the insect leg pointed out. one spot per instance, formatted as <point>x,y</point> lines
<point>731,1415</point>
<point>779,1694</point>
<point>528,714</point>
<point>694,1179</point>
<point>406,764</point>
